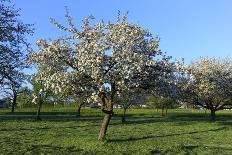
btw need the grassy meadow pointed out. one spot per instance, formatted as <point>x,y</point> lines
<point>146,132</point>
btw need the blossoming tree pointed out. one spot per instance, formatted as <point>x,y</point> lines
<point>102,60</point>
<point>208,83</point>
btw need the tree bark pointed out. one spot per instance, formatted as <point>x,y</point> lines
<point>38,118</point>
<point>108,113</point>
<point>212,115</point>
<point>124,115</point>
<point>162,111</point>
<point>13,103</point>
<point>78,114</point>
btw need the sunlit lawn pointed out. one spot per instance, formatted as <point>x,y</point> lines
<point>146,132</point>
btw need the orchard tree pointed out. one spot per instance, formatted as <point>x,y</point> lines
<point>13,44</point>
<point>153,102</point>
<point>128,98</point>
<point>208,83</point>
<point>25,97</point>
<point>38,95</point>
<point>12,91</point>
<point>101,59</point>
<point>163,103</point>
<point>166,92</point>
<point>15,89</point>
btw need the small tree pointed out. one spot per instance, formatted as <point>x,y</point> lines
<point>153,102</point>
<point>163,103</point>
<point>39,96</point>
<point>25,97</point>
<point>129,98</point>
<point>12,90</point>
<point>208,83</point>
<point>165,93</point>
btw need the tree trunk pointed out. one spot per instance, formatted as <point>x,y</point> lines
<point>166,113</point>
<point>212,115</point>
<point>78,114</point>
<point>38,118</point>
<point>162,111</point>
<point>108,113</point>
<point>13,103</point>
<point>124,116</point>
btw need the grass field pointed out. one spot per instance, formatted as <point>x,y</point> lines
<point>146,132</point>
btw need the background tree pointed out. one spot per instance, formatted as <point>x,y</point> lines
<point>13,90</point>
<point>25,98</point>
<point>130,98</point>
<point>103,59</point>
<point>208,84</point>
<point>165,92</point>
<point>13,44</point>
<point>39,95</point>
<point>153,102</point>
<point>163,103</point>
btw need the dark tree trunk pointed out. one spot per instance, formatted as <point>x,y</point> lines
<point>13,103</point>
<point>124,116</point>
<point>162,111</point>
<point>166,112</point>
<point>212,115</point>
<point>108,113</point>
<point>78,114</point>
<point>38,118</point>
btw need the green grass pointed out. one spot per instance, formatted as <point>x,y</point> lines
<point>146,132</point>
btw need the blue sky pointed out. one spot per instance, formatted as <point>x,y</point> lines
<point>188,28</point>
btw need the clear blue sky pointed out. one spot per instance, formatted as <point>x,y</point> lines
<point>188,28</point>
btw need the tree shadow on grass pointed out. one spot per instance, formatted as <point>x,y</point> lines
<point>49,128</point>
<point>53,118</point>
<point>188,150</point>
<point>178,119</point>
<point>226,123</point>
<point>168,135</point>
<point>194,149</point>
<point>51,149</point>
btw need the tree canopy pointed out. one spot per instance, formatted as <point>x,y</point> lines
<point>13,43</point>
<point>104,59</point>
<point>208,83</point>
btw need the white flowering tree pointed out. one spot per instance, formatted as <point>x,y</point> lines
<point>101,60</point>
<point>208,83</point>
